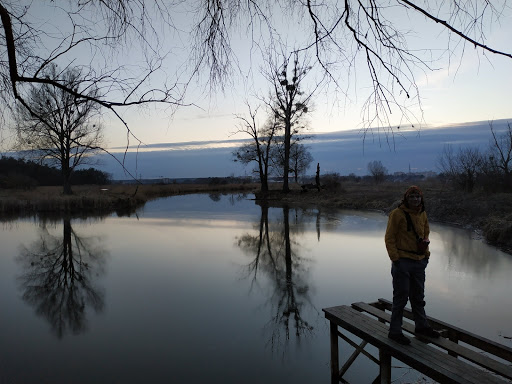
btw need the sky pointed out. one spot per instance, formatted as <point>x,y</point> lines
<point>342,152</point>
<point>474,88</point>
<point>466,87</point>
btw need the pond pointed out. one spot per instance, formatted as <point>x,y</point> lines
<point>215,288</point>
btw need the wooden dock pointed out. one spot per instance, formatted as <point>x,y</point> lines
<point>476,360</point>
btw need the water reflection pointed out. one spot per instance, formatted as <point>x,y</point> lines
<point>233,198</point>
<point>466,255</point>
<point>58,277</point>
<point>274,250</point>
<point>215,196</point>
<point>189,312</point>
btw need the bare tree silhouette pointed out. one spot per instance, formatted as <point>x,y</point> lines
<point>58,277</point>
<point>275,256</point>
<point>351,37</point>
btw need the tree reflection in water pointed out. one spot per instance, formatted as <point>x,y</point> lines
<point>233,198</point>
<point>58,277</point>
<point>274,253</point>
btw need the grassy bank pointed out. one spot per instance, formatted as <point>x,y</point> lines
<point>97,200</point>
<point>488,214</point>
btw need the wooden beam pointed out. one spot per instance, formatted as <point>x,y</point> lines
<point>352,358</point>
<point>367,354</point>
<point>385,367</point>
<point>335,375</point>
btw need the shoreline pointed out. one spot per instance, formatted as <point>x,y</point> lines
<point>489,215</point>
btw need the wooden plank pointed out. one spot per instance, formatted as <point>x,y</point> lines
<point>364,327</point>
<point>414,356</point>
<point>420,356</point>
<point>459,369</point>
<point>477,341</point>
<point>469,354</point>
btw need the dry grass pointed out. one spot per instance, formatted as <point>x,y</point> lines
<point>488,214</point>
<point>97,200</point>
<point>491,214</point>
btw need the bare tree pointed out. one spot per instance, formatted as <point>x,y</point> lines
<point>352,36</point>
<point>288,102</point>
<point>300,157</point>
<point>496,165</point>
<point>29,45</point>
<point>259,149</point>
<point>500,151</point>
<point>341,35</point>
<point>64,132</point>
<point>462,167</point>
<point>377,170</point>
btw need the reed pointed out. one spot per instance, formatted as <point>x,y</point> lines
<point>123,199</point>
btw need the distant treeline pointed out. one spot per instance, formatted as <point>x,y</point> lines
<point>20,173</point>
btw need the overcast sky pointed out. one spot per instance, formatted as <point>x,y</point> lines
<point>476,88</point>
<point>343,152</point>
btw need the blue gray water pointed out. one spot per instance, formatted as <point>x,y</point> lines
<point>214,288</point>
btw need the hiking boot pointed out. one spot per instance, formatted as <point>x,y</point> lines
<point>429,331</point>
<point>399,338</point>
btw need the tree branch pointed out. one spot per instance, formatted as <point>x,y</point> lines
<point>454,30</point>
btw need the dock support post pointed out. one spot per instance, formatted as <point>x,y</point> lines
<point>385,367</point>
<point>335,362</point>
<point>452,336</point>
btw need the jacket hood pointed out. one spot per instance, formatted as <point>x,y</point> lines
<point>413,189</point>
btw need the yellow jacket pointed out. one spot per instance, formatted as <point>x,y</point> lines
<point>399,241</point>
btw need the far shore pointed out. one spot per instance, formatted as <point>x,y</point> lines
<point>96,200</point>
<point>489,215</point>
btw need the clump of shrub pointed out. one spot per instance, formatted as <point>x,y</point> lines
<point>498,231</point>
<point>225,180</point>
<point>352,177</point>
<point>331,182</point>
<point>90,176</point>
<point>26,174</point>
<point>17,181</point>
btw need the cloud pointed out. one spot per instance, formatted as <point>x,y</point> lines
<point>207,116</point>
<point>183,146</point>
<point>344,152</point>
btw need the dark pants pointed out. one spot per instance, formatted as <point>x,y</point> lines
<point>408,284</point>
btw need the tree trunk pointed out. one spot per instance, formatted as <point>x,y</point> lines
<point>263,171</point>
<point>317,177</point>
<point>286,167</point>
<point>66,188</point>
<point>264,183</point>
<point>66,182</point>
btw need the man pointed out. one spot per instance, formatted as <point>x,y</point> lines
<point>407,245</point>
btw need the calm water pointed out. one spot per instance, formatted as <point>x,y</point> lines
<point>199,288</point>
